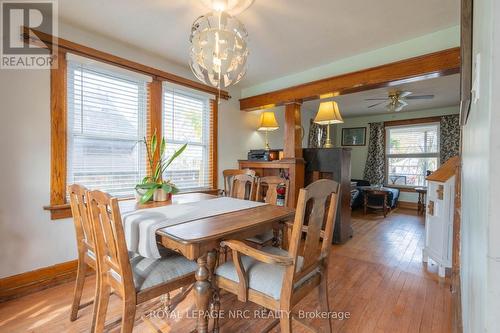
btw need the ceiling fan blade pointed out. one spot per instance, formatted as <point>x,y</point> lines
<point>404,93</point>
<point>375,99</point>
<point>399,107</point>
<point>421,97</point>
<point>371,106</point>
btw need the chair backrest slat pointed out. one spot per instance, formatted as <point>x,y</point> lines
<point>83,226</point>
<point>316,208</point>
<point>267,189</point>
<point>112,253</point>
<point>243,187</point>
<point>228,176</point>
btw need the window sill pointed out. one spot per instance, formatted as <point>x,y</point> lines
<point>63,211</point>
<point>58,212</point>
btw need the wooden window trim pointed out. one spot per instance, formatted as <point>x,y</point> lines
<point>413,121</point>
<point>214,129</point>
<point>59,208</point>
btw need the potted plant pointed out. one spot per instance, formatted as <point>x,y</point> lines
<point>153,186</point>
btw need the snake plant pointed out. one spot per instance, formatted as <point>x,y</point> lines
<point>157,166</point>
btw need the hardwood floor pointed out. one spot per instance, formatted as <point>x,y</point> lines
<point>377,277</point>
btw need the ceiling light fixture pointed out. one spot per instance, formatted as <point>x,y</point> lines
<point>218,54</point>
<point>232,7</point>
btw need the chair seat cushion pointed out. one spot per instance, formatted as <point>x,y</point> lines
<point>262,238</point>
<point>262,277</point>
<point>149,272</point>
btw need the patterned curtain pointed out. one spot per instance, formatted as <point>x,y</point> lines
<point>317,135</point>
<point>449,137</point>
<point>375,162</point>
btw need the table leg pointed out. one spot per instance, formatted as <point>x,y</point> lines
<point>202,292</point>
<point>419,204</point>
<point>215,299</point>
<point>365,202</point>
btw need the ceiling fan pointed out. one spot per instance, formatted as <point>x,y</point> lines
<point>396,100</point>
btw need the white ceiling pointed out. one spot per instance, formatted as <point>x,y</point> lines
<point>446,91</point>
<point>286,36</point>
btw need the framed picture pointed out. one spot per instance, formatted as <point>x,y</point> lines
<point>355,136</point>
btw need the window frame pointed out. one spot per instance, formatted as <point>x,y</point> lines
<point>59,207</point>
<point>206,140</point>
<point>409,123</point>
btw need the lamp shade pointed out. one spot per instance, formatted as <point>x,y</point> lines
<point>328,113</point>
<point>268,121</point>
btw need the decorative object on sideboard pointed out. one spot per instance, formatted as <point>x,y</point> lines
<point>354,136</point>
<point>328,113</point>
<point>263,155</point>
<point>267,124</point>
<point>153,186</point>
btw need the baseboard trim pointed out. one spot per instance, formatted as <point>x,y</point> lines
<point>30,282</point>
<point>407,205</point>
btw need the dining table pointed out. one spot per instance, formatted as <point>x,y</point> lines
<point>199,239</point>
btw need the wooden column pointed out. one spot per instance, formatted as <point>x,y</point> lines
<point>155,116</point>
<point>292,149</point>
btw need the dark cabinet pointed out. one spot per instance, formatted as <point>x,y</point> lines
<point>335,164</point>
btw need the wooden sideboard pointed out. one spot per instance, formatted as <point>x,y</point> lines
<point>293,168</point>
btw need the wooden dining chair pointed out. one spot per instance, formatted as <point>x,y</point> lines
<point>228,175</point>
<point>135,280</point>
<point>85,246</point>
<point>277,279</point>
<point>243,187</point>
<point>267,191</point>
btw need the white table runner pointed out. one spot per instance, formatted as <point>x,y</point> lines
<point>140,226</point>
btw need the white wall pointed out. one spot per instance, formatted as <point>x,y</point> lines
<point>28,238</point>
<point>480,246</point>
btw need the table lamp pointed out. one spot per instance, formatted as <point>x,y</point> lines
<point>268,123</point>
<point>328,113</point>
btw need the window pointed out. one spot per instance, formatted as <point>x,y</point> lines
<point>187,117</point>
<point>411,151</point>
<point>106,117</point>
<point>102,105</point>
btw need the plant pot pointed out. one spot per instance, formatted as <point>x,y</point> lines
<point>160,195</point>
<point>139,192</point>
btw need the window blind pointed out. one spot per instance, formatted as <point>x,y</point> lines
<point>187,118</point>
<point>106,120</point>
<point>411,151</point>
<point>422,139</point>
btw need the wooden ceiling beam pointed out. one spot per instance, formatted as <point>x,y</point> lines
<point>419,68</point>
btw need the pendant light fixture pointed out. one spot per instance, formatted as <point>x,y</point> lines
<point>218,53</point>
